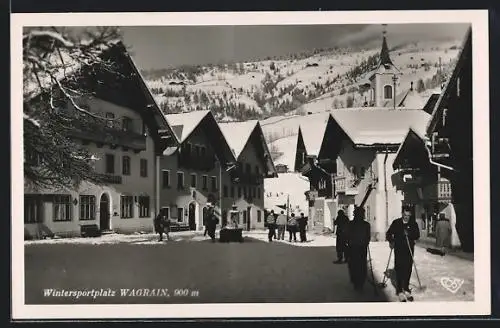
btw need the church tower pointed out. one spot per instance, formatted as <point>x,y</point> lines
<point>385,78</point>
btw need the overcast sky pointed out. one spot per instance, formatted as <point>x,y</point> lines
<point>171,46</point>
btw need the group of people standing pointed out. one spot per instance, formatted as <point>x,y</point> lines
<point>292,225</point>
<point>353,238</point>
<point>162,224</point>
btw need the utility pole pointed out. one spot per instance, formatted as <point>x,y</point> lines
<point>287,209</point>
<point>394,79</point>
<point>440,75</point>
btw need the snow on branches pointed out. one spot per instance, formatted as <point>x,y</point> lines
<point>54,60</point>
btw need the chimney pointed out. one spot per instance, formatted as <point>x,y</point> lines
<point>411,86</point>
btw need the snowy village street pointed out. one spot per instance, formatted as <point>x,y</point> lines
<point>222,273</point>
<point>162,163</point>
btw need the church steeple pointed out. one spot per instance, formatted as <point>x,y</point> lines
<point>383,81</point>
<point>385,59</point>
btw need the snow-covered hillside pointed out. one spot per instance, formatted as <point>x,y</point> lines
<point>311,84</point>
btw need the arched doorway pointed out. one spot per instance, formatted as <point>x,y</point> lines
<point>192,216</point>
<point>104,213</point>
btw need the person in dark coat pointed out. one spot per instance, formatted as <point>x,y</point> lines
<point>302,223</point>
<point>211,222</point>
<point>341,223</point>
<point>159,224</point>
<point>271,225</point>
<point>401,236</point>
<point>358,233</point>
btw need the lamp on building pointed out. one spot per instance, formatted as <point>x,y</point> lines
<point>407,177</point>
<point>75,201</point>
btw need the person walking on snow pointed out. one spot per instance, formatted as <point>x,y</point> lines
<point>281,223</point>
<point>357,234</point>
<point>271,225</point>
<point>161,224</point>
<point>401,236</point>
<point>212,222</point>
<point>341,223</point>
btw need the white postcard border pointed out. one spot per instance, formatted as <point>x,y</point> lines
<point>481,305</point>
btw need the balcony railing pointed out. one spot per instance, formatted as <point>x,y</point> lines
<point>440,191</point>
<point>112,179</point>
<point>444,190</point>
<point>346,184</point>
<point>99,132</point>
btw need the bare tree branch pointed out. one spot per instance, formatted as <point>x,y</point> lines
<point>53,65</point>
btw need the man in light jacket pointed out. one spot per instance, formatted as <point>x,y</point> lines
<point>281,225</point>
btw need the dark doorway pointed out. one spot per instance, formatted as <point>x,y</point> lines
<point>192,216</point>
<point>104,213</point>
<point>249,217</point>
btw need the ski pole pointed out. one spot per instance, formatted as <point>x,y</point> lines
<point>414,263</point>
<point>384,280</point>
<point>371,269</point>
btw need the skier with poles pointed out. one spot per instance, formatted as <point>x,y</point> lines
<point>401,236</point>
<point>357,238</point>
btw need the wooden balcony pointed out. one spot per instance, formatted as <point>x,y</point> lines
<point>100,133</point>
<point>440,148</point>
<point>444,190</point>
<point>112,179</point>
<point>438,191</point>
<point>346,185</point>
<point>238,176</point>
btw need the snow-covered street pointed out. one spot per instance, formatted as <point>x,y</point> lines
<point>443,278</point>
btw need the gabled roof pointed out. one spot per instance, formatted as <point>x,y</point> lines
<point>237,134</point>
<point>411,136</point>
<point>184,124</point>
<point>465,54</point>
<point>379,126</point>
<point>312,134</point>
<point>115,52</point>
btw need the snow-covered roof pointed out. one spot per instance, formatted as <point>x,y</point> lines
<point>184,124</point>
<point>371,126</point>
<point>288,147</point>
<point>237,134</point>
<point>408,99</point>
<point>312,134</point>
